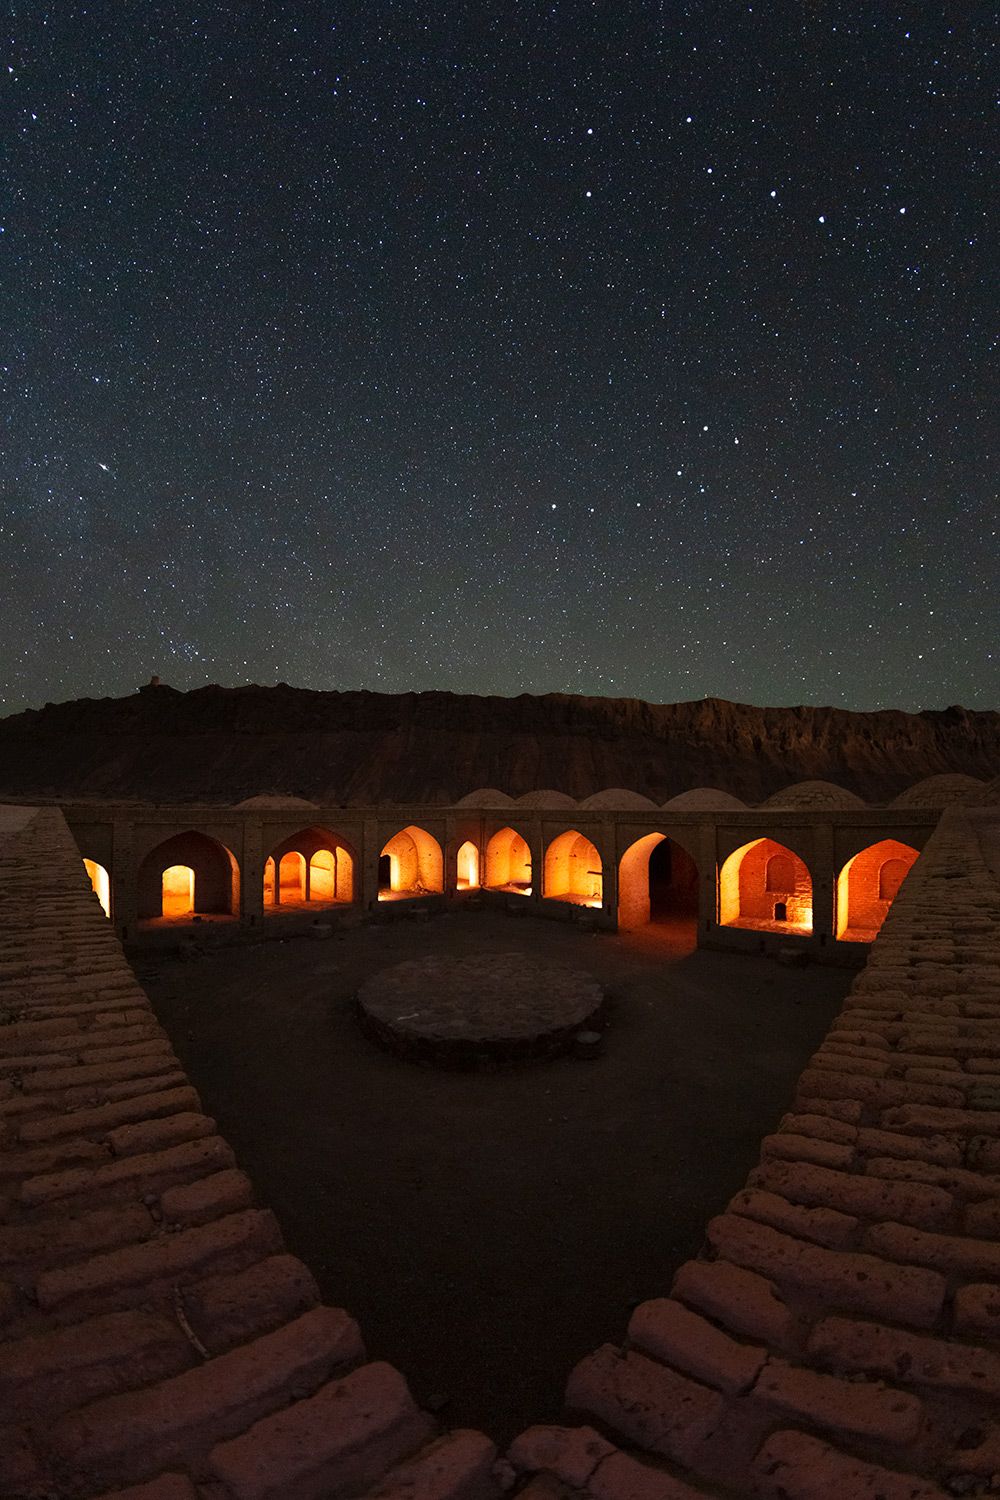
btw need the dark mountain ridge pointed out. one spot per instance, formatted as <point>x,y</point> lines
<point>219,744</point>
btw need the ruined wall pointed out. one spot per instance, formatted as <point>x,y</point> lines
<point>155,1332</point>
<point>840,1334</point>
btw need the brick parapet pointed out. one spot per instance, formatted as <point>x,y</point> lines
<point>840,1334</point>
<point>154,1331</point>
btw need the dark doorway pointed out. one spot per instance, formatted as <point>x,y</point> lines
<point>673,883</point>
<point>384,872</point>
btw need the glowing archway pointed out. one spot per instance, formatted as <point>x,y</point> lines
<point>187,874</point>
<point>573,870</point>
<point>468,866</point>
<point>508,863</point>
<point>177,891</point>
<point>310,867</point>
<point>415,865</point>
<point>867,886</point>
<point>765,886</point>
<point>657,882</point>
<point>101,884</point>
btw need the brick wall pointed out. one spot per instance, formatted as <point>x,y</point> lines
<point>154,1332</point>
<point>840,1335</point>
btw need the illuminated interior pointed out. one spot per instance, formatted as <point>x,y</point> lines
<point>101,884</point>
<point>867,886</point>
<point>766,887</point>
<point>178,891</point>
<point>573,871</point>
<point>508,863</point>
<point>312,868</point>
<point>657,882</point>
<point>468,866</point>
<point>410,865</point>
<point>187,874</point>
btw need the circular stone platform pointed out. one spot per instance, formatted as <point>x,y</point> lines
<point>486,1012</point>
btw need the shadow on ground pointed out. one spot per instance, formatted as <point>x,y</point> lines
<point>487,1230</point>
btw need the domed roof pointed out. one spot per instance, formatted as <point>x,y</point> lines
<point>704,799</point>
<point>938,791</point>
<point>275,800</point>
<point>617,799</point>
<point>802,794</point>
<point>546,798</point>
<point>487,796</point>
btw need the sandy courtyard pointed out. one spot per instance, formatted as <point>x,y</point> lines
<point>487,1230</point>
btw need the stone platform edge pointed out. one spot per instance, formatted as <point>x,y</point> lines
<point>839,1336</point>
<point>157,1341</point>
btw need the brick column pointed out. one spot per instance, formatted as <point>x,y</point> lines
<point>708,866</point>
<point>824,876</point>
<point>252,874</point>
<point>124,879</point>
<point>371,847</point>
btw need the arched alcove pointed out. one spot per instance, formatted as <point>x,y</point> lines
<point>468,866</point>
<point>508,863</point>
<point>187,875</point>
<point>765,886</point>
<point>867,886</point>
<point>313,867</point>
<point>573,870</point>
<point>101,884</point>
<point>657,882</point>
<point>415,865</point>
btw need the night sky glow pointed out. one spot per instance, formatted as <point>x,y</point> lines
<point>620,347</point>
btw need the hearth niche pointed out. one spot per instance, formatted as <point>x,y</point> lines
<point>186,876</point>
<point>658,883</point>
<point>867,886</point>
<point>410,864</point>
<point>313,867</point>
<point>766,887</point>
<point>508,863</point>
<point>573,871</point>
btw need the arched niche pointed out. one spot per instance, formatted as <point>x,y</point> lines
<point>186,875</point>
<point>467,866</point>
<point>313,867</point>
<point>766,886</point>
<point>100,882</point>
<point>411,864</point>
<point>867,886</point>
<point>657,882</point>
<point>573,870</point>
<point>508,863</point>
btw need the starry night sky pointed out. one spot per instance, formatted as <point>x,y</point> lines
<point>621,347</point>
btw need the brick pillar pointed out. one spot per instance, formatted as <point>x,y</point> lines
<point>609,864</point>
<point>708,879</point>
<point>371,848</point>
<point>124,879</point>
<point>824,878</point>
<point>252,874</point>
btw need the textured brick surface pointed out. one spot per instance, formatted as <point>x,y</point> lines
<point>339,1440</point>
<point>457,1466</point>
<point>651,1406</point>
<point>795,1466</point>
<point>671,1332</point>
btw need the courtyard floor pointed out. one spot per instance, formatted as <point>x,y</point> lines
<point>488,1230</point>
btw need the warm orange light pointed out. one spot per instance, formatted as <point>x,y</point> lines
<point>291,877</point>
<point>573,870</point>
<point>101,884</point>
<point>323,876</point>
<point>508,863</point>
<point>468,866</point>
<point>416,865</point>
<point>178,891</point>
<point>767,887</point>
<point>867,886</point>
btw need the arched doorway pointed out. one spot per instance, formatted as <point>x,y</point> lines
<point>188,875</point>
<point>573,870</point>
<point>313,867</point>
<point>867,886</point>
<point>468,866</point>
<point>410,864</point>
<point>508,863</point>
<point>765,886</point>
<point>657,883</point>
<point>100,883</point>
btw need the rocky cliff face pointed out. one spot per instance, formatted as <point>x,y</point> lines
<point>224,744</point>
